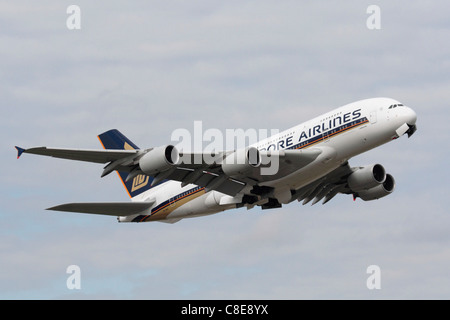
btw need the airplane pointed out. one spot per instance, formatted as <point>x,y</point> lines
<point>167,185</point>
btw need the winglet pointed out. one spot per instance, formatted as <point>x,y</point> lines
<point>19,151</point>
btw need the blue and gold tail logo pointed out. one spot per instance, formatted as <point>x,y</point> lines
<point>139,182</point>
<point>114,139</point>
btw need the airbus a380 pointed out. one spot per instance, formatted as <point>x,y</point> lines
<point>311,159</point>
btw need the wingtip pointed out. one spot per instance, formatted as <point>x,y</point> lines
<point>19,151</point>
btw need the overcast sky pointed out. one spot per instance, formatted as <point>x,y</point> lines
<point>150,67</point>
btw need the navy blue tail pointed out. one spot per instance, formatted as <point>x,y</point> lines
<point>114,139</point>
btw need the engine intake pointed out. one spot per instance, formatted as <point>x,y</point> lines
<point>159,159</point>
<point>367,177</point>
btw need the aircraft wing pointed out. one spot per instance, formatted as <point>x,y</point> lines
<point>206,170</point>
<point>98,156</point>
<point>208,174</point>
<point>326,187</point>
<point>105,208</point>
<point>216,175</point>
<point>116,159</point>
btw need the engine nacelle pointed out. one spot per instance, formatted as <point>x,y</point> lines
<point>159,159</point>
<point>366,177</point>
<point>241,161</point>
<point>379,191</point>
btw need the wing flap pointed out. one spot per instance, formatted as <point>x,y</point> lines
<point>325,188</point>
<point>104,208</point>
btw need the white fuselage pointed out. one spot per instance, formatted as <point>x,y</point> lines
<point>340,134</point>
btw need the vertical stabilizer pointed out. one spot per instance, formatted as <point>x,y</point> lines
<point>114,139</point>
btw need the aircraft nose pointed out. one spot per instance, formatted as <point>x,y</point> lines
<point>411,116</point>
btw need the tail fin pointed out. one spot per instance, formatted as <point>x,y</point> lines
<point>114,139</point>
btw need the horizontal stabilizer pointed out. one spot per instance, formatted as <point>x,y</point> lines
<point>105,208</point>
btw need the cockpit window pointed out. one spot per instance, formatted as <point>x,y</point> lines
<point>392,106</point>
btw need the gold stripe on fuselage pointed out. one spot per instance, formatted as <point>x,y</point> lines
<point>163,212</point>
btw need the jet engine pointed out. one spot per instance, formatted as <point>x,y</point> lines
<point>379,191</point>
<point>241,161</point>
<point>371,182</point>
<point>366,177</point>
<point>159,159</point>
